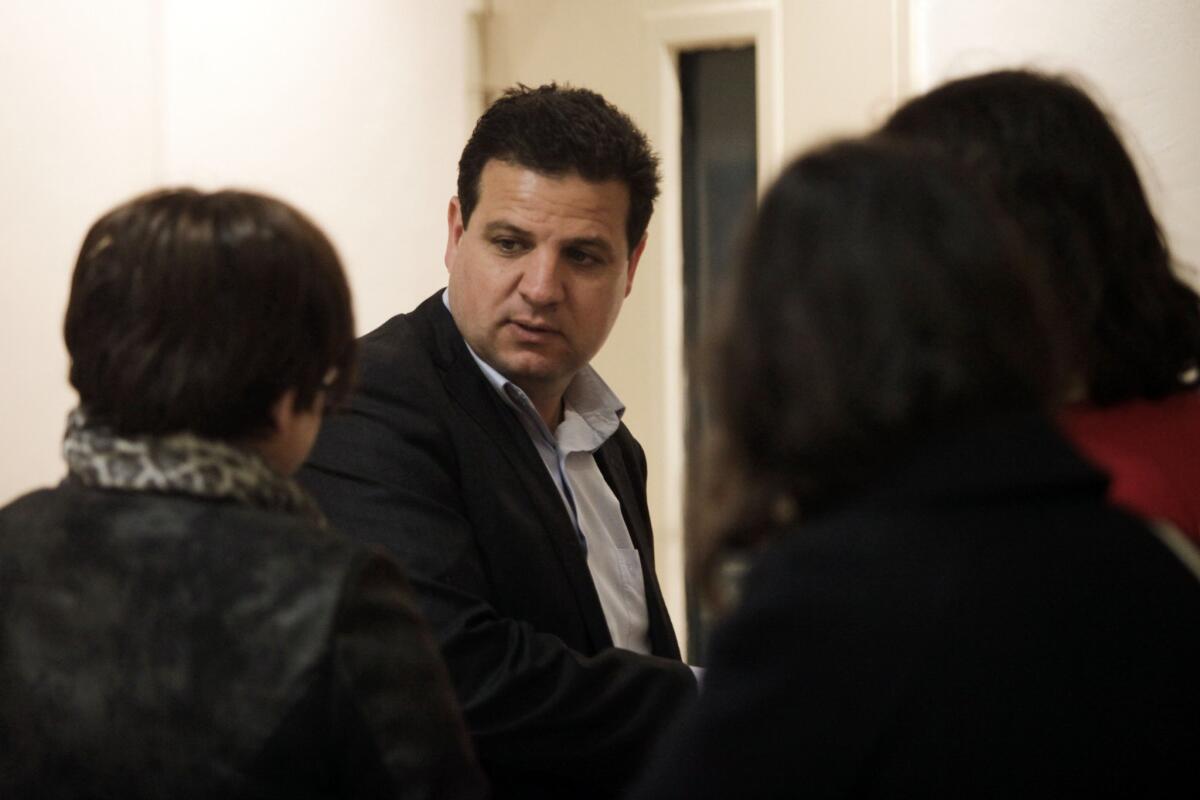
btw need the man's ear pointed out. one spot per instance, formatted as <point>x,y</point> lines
<point>634,258</point>
<point>454,230</point>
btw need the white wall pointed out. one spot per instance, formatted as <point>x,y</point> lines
<point>1140,58</point>
<point>355,112</point>
<point>78,131</point>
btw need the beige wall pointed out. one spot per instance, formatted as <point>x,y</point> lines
<point>840,59</point>
<point>353,111</point>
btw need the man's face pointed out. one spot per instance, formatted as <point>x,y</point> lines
<point>537,278</point>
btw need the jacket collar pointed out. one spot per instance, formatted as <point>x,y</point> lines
<point>468,387</point>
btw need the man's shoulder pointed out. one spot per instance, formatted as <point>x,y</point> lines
<point>404,352</point>
<point>407,335</point>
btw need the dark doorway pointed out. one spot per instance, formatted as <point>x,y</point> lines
<point>720,169</point>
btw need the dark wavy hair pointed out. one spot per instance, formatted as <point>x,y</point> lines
<point>880,298</point>
<point>192,311</point>
<point>556,130</point>
<point>1059,168</point>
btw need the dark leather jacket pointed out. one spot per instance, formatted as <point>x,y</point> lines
<point>166,646</point>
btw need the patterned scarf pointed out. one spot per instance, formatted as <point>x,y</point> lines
<point>180,462</point>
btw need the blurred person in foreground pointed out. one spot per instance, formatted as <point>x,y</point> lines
<point>486,452</point>
<point>941,603</point>
<point>1133,326</point>
<point>176,618</point>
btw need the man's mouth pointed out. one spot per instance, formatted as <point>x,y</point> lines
<point>533,328</point>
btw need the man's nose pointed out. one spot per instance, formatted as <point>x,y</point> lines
<point>541,283</point>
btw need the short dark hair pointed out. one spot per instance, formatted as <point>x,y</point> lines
<point>879,300</point>
<point>195,311</point>
<point>557,130</point>
<point>1056,163</point>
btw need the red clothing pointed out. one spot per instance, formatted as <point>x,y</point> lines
<point>1152,451</point>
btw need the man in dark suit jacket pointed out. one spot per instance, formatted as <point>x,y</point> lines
<point>483,450</point>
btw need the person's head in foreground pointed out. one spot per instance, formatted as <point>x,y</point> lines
<point>880,299</point>
<point>555,190</point>
<point>196,317</point>
<point>1059,168</point>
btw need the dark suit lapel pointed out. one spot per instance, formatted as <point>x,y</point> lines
<point>612,466</point>
<point>479,400</point>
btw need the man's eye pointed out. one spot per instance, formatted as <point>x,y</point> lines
<point>577,256</point>
<point>507,245</point>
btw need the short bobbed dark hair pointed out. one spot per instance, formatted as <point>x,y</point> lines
<point>557,130</point>
<point>195,311</point>
<point>880,300</point>
<point>1058,166</point>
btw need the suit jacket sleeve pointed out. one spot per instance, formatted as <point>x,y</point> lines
<point>387,471</point>
<point>396,717</point>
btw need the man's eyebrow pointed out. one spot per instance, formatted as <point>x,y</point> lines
<point>493,228</point>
